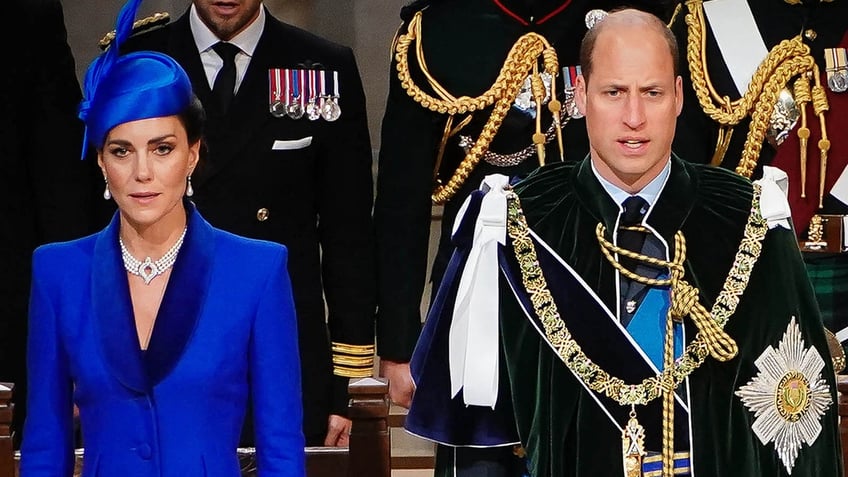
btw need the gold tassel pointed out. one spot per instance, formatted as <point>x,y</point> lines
<point>802,97</point>
<point>820,106</point>
<point>537,87</point>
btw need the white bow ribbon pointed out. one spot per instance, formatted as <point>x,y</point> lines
<point>473,337</point>
<point>774,205</point>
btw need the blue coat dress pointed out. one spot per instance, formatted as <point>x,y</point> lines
<point>226,328</point>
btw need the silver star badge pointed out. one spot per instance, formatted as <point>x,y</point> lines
<point>788,396</point>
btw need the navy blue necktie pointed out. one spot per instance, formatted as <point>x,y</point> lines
<point>635,208</point>
<point>224,87</point>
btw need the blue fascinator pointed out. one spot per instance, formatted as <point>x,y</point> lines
<point>139,85</point>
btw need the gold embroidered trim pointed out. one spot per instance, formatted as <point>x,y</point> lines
<point>521,61</point>
<point>573,356</point>
<point>138,25</point>
<point>657,458</point>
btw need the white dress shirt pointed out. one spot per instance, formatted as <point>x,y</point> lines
<point>650,192</point>
<point>246,40</point>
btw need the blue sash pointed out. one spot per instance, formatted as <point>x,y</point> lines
<point>648,325</point>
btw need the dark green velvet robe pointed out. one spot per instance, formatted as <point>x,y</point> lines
<point>562,428</point>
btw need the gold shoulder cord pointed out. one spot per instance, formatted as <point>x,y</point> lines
<point>710,340</point>
<point>521,61</point>
<point>788,59</point>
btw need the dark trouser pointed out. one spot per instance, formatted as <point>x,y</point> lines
<point>474,462</point>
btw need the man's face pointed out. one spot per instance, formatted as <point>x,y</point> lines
<point>227,18</point>
<point>631,103</point>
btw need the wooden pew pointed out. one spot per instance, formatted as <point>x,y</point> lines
<point>368,455</point>
<point>7,462</point>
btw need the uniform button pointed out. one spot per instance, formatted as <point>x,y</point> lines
<point>144,451</point>
<point>262,214</point>
<point>810,34</point>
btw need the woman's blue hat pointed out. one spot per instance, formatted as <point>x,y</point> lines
<point>139,85</point>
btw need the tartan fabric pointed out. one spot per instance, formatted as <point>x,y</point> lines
<point>829,275</point>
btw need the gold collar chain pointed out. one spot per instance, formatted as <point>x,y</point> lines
<point>710,339</point>
<point>569,350</point>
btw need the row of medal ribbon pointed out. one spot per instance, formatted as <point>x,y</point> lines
<point>836,62</point>
<point>298,93</point>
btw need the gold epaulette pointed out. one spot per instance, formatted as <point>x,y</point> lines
<point>157,19</point>
<point>353,361</point>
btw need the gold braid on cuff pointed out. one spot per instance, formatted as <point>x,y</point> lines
<point>353,361</point>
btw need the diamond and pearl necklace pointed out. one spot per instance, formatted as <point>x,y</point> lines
<point>150,269</point>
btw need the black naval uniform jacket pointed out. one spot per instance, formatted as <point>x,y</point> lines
<point>315,200</point>
<point>46,191</point>
<point>465,44</point>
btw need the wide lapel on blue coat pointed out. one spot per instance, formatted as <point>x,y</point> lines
<point>113,313</point>
<point>184,297</point>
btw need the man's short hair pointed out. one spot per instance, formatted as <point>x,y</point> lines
<point>587,47</point>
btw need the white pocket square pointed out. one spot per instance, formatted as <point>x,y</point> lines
<point>291,144</point>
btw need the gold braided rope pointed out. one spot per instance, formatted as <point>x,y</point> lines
<point>668,345</point>
<point>520,61</point>
<point>594,377</point>
<point>668,400</point>
<point>668,403</point>
<point>764,108</point>
<point>684,299</point>
<point>787,59</point>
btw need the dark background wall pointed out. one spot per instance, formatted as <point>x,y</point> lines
<point>367,26</point>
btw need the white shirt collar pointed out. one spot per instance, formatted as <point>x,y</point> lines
<point>650,192</point>
<point>246,40</point>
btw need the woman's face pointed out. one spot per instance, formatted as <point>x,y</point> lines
<point>146,163</point>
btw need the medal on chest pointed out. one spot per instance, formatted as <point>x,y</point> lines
<point>836,61</point>
<point>298,93</point>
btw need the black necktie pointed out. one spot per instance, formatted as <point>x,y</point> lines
<point>225,83</point>
<point>634,209</point>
